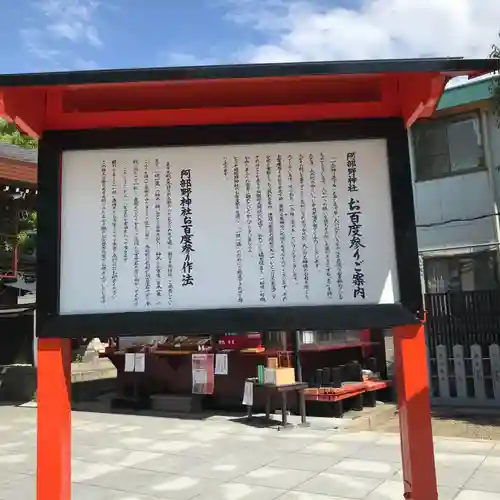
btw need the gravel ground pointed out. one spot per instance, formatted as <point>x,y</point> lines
<point>446,422</point>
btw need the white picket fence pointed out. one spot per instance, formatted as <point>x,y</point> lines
<point>462,378</point>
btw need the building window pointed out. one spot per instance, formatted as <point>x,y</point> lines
<point>448,146</point>
<point>461,273</point>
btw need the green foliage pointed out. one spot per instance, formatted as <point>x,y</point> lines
<point>9,133</point>
<point>22,233</point>
<point>27,227</point>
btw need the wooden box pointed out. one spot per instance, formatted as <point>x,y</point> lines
<point>279,376</point>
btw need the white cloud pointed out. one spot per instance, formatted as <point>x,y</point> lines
<point>71,19</point>
<point>183,59</point>
<point>75,32</point>
<point>34,41</point>
<point>58,28</point>
<point>85,64</point>
<point>377,29</point>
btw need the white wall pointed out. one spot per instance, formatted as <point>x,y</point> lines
<point>494,140</point>
<point>458,197</point>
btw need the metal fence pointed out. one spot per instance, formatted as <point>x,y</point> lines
<point>464,318</point>
<point>463,337</point>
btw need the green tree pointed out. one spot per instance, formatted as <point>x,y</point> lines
<point>26,224</point>
<point>24,238</point>
<point>9,133</point>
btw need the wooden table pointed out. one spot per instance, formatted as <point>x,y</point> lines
<point>284,390</point>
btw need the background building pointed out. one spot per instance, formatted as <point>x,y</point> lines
<point>18,178</point>
<point>456,171</point>
<point>456,162</point>
<point>18,184</point>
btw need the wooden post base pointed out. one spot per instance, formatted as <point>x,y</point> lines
<point>412,384</point>
<point>53,481</point>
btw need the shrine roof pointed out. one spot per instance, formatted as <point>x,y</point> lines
<point>245,93</point>
<point>450,66</point>
<point>18,165</point>
<point>17,153</point>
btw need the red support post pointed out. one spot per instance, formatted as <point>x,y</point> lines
<point>412,385</point>
<point>54,419</point>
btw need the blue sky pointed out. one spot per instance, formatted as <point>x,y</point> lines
<point>54,35</point>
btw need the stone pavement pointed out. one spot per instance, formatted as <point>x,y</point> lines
<point>137,457</point>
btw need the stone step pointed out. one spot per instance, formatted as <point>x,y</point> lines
<point>176,403</point>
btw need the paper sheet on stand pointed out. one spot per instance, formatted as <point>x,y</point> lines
<point>129,362</point>
<point>140,362</point>
<point>221,364</point>
<point>248,394</point>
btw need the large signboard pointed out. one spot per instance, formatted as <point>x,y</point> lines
<point>221,227</point>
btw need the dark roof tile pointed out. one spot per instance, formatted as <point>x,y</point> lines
<point>17,153</point>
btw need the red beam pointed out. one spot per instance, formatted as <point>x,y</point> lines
<point>228,115</point>
<point>419,95</point>
<point>54,419</point>
<point>26,108</point>
<point>390,95</point>
<point>54,104</point>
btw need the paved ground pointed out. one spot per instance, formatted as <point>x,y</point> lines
<point>446,422</point>
<point>132,457</point>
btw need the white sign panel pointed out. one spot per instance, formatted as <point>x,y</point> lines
<point>258,225</point>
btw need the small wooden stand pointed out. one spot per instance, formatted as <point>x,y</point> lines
<point>284,390</point>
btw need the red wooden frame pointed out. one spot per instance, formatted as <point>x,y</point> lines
<point>225,95</point>
<point>412,385</point>
<point>54,419</point>
<point>67,107</point>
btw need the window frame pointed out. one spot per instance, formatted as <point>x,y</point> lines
<point>446,121</point>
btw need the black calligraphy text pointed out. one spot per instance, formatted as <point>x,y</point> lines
<point>158,253</point>
<point>135,188</point>
<point>281,211</point>
<point>293,222</point>
<point>326,226</point>
<point>104,231</point>
<point>248,205</point>
<point>147,233</point>
<point>170,239</point>
<point>237,217</point>
<point>114,222</point>
<point>355,229</point>
<point>260,225</point>
<point>187,248</point>
<point>314,209</point>
<point>303,220</point>
<point>270,226</point>
<point>336,229</point>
